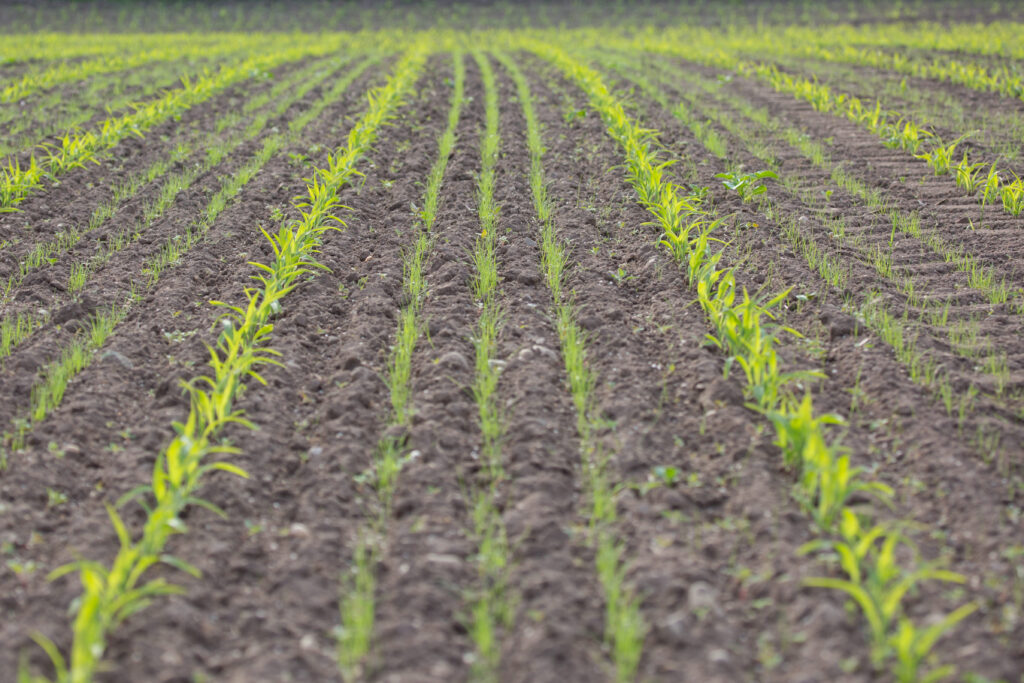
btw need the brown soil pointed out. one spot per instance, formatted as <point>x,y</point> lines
<point>714,557</point>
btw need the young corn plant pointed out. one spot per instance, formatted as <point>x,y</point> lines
<point>968,175</point>
<point>1012,196</point>
<point>940,158</point>
<point>16,182</point>
<point>742,332</point>
<point>876,583</point>
<point>871,119</point>
<point>990,191</point>
<point>64,72</point>
<point>73,152</point>
<point>908,137</point>
<point>829,481</point>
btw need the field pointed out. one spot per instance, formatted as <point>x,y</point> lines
<point>667,342</point>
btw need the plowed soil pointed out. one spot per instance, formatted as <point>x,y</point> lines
<point>714,557</point>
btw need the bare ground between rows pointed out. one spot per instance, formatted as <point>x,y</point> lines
<point>900,431</point>
<point>71,199</point>
<point>111,284</point>
<point>118,413</point>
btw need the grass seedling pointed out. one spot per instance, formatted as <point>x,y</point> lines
<point>491,607</point>
<point>15,329</point>
<point>357,612</point>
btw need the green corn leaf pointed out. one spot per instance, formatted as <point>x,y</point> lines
<point>134,494</point>
<point>859,595</point>
<point>56,658</point>
<point>182,565</point>
<point>226,467</point>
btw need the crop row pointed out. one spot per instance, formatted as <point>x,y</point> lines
<point>1002,80</point>
<point>43,119</point>
<point>64,72</point>
<point>993,38</point>
<point>883,47</point>
<point>57,46</point>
